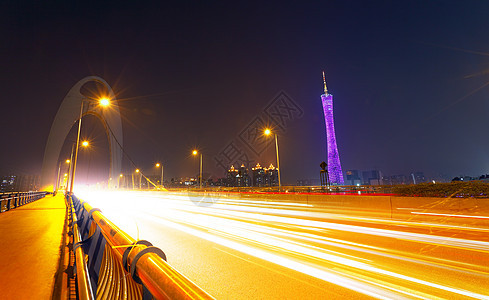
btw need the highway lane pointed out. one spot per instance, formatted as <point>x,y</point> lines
<point>252,249</point>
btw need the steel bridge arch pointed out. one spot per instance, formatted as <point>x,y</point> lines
<point>67,116</point>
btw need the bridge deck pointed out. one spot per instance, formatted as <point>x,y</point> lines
<point>31,239</point>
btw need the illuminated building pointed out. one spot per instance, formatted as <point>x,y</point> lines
<point>334,166</point>
<point>19,183</point>
<point>7,184</point>
<point>238,177</point>
<point>353,177</point>
<point>258,175</point>
<point>271,176</point>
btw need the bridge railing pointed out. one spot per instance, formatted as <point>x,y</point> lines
<point>119,266</point>
<point>13,200</point>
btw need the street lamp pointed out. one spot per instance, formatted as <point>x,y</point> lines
<point>137,171</point>
<point>59,171</point>
<point>120,177</point>
<point>103,102</point>
<point>195,152</point>
<point>160,165</point>
<point>267,132</point>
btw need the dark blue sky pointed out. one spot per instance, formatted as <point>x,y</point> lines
<point>406,79</point>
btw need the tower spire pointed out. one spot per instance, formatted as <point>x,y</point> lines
<point>325,88</point>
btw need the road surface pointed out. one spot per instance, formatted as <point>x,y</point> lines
<point>260,249</point>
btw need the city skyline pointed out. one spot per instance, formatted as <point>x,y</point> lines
<point>411,80</point>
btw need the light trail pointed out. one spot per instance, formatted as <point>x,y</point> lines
<point>450,215</point>
<point>380,258</point>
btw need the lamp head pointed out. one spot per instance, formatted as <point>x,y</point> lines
<point>104,102</point>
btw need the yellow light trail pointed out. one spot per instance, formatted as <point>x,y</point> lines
<point>380,258</point>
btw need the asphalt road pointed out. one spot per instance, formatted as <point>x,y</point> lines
<point>259,249</point>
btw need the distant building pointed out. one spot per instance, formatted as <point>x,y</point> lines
<point>243,178</point>
<point>7,183</point>
<point>258,175</point>
<point>271,176</point>
<point>238,177</point>
<point>372,177</point>
<point>220,182</point>
<point>417,177</point>
<point>395,180</point>
<point>231,176</point>
<point>20,183</point>
<point>353,177</point>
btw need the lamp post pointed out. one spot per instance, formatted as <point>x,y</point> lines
<point>119,184</point>
<point>59,174</point>
<point>137,172</point>
<point>160,165</point>
<point>102,102</point>
<point>69,168</point>
<point>267,132</point>
<point>57,178</point>
<point>195,152</point>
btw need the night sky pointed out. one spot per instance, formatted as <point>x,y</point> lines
<point>409,80</point>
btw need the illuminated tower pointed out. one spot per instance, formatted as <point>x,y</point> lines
<point>334,166</point>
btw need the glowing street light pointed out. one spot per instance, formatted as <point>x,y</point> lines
<point>195,152</point>
<point>119,181</point>
<point>158,165</point>
<point>59,172</point>
<point>85,144</point>
<point>140,174</point>
<point>103,102</point>
<point>268,132</point>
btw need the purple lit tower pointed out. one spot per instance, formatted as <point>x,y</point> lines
<point>334,166</point>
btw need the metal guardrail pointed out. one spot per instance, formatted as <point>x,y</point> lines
<point>119,267</point>
<point>13,200</point>
<point>83,281</point>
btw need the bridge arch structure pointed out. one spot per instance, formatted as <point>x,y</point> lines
<point>67,115</point>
